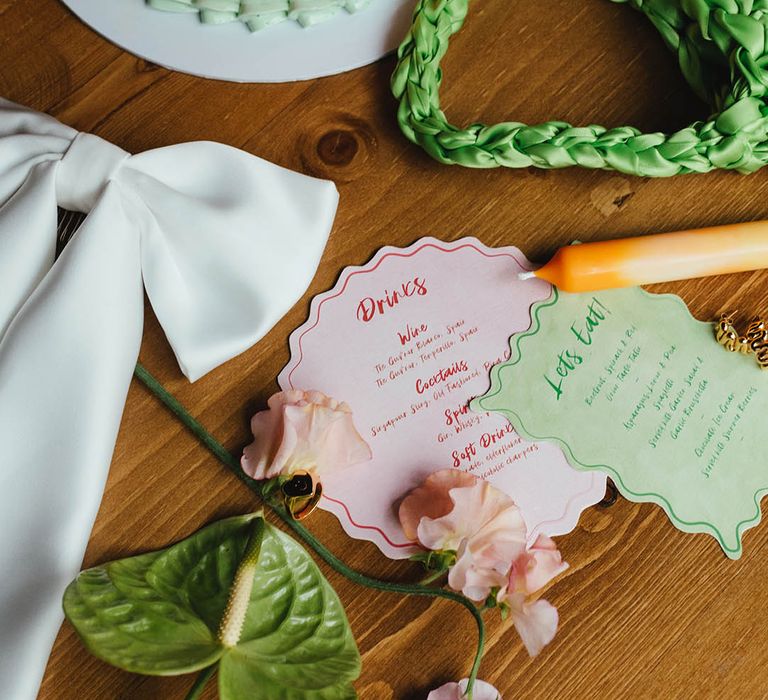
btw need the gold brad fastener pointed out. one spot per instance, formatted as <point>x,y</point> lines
<point>302,494</point>
<point>753,342</point>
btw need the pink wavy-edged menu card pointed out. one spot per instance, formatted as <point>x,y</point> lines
<point>407,340</point>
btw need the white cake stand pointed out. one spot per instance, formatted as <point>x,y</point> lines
<point>281,53</point>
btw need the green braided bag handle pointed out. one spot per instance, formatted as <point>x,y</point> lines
<point>722,46</point>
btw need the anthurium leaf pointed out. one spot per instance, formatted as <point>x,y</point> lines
<point>160,613</point>
<point>296,641</point>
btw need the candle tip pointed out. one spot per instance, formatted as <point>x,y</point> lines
<point>526,275</point>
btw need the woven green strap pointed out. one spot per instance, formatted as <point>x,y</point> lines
<point>721,47</point>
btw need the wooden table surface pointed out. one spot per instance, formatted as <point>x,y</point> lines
<point>646,611</point>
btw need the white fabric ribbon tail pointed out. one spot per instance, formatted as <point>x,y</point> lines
<point>224,244</point>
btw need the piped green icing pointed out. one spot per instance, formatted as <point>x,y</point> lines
<point>260,14</point>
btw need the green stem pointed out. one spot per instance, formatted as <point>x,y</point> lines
<point>170,402</point>
<point>431,578</point>
<point>202,680</point>
<point>233,464</point>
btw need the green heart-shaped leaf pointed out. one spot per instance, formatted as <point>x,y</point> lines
<point>160,614</point>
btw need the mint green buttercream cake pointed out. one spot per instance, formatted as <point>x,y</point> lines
<point>258,14</point>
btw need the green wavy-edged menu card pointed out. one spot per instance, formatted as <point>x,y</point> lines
<point>631,384</point>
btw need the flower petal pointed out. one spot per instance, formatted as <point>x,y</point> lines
<point>476,508</point>
<point>342,446</point>
<point>457,691</point>
<point>474,581</point>
<point>548,564</point>
<point>480,691</point>
<point>267,432</point>
<point>449,691</point>
<point>303,430</point>
<point>536,622</point>
<point>431,499</point>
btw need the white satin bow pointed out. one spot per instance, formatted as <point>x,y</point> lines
<point>224,243</point>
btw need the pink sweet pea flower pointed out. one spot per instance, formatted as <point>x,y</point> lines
<point>535,621</point>
<point>431,499</point>
<point>458,691</point>
<point>536,566</point>
<point>303,431</point>
<point>455,511</point>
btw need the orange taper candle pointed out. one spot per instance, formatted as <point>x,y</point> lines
<point>663,257</point>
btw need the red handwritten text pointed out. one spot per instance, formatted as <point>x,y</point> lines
<point>411,333</point>
<point>369,307</point>
<point>445,373</point>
